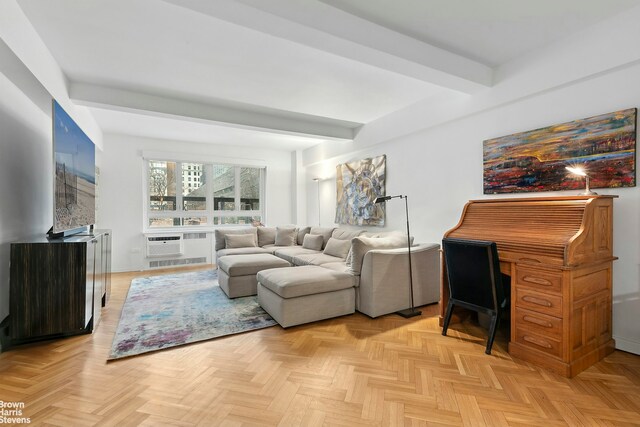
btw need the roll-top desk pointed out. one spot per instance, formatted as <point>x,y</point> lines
<point>559,254</point>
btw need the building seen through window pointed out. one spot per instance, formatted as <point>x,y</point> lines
<point>209,194</point>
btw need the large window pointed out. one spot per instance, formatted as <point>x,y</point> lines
<point>196,194</point>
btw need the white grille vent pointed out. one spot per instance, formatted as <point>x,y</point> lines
<point>161,245</point>
<point>181,261</point>
<point>189,236</point>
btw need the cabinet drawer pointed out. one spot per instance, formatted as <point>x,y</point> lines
<point>540,323</point>
<point>529,338</point>
<point>541,280</point>
<point>539,302</point>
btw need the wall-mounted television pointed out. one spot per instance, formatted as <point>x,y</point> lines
<point>74,180</point>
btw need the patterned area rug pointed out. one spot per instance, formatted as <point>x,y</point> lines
<point>167,311</point>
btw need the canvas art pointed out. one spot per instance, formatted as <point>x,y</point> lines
<point>604,146</point>
<point>358,184</point>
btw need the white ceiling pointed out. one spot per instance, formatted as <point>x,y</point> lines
<point>491,32</point>
<point>296,72</point>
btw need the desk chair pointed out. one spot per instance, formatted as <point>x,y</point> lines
<point>475,281</point>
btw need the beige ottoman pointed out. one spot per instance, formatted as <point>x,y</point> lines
<point>237,273</point>
<point>297,295</point>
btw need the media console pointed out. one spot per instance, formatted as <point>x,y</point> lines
<point>58,286</point>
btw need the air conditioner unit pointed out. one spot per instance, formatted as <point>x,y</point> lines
<point>160,245</point>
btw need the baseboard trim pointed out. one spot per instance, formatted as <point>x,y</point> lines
<point>627,345</point>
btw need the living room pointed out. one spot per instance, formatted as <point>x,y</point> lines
<point>296,89</point>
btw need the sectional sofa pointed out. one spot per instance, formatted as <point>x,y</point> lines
<point>303,274</point>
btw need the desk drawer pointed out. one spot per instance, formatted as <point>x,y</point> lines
<point>530,339</point>
<point>541,280</point>
<point>540,323</point>
<point>539,302</point>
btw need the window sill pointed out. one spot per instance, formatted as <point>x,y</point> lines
<point>190,229</point>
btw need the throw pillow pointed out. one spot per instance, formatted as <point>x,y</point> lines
<point>346,233</point>
<point>232,241</point>
<point>266,236</point>
<point>312,241</point>
<point>325,232</point>
<point>286,236</point>
<point>301,233</point>
<point>338,248</point>
<point>221,232</point>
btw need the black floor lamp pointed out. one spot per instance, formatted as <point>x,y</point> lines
<point>409,312</point>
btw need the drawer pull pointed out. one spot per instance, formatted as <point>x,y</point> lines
<point>536,341</point>
<point>537,301</point>
<point>530,260</point>
<point>539,322</point>
<point>537,280</point>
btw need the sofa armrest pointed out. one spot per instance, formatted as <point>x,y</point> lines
<point>384,280</point>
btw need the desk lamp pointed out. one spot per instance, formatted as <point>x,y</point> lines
<point>577,170</point>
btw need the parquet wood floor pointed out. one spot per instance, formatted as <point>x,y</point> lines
<point>350,371</point>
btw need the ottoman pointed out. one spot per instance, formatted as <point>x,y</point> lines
<point>297,295</point>
<point>237,273</point>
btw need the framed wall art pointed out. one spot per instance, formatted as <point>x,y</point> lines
<point>358,184</point>
<point>603,146</point>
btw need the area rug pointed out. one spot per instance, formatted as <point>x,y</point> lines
<point>172,310</point>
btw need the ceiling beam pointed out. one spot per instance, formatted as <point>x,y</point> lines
<point>323,27</point>
<point>220,112</point>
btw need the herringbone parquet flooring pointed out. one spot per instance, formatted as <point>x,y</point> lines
<point>348,371</point>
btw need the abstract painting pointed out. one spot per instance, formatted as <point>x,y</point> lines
<point>604,146</point>
<point>358,184</point>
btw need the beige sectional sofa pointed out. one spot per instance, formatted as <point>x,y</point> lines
<point>372,267</point>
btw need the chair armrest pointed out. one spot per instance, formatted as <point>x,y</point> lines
<point>384,279</point>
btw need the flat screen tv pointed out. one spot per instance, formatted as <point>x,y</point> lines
<point>74,176</point>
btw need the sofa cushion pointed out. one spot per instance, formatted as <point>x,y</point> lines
<point>317,258</point>
<point>286,236</point>
<point>244,265</point>
<point>303,231</point>
<point>241,251</point>
<point>300,281</point>
<point>337,266</point>
<point>221,232</point>
<point>346,234</point>
<point>361,245</point>
<point>266,236</point>
<point>312,241</point>
<point>273,248</point>
<point>325,232</point>
<point>338,248</point>
<point>234,241</point>
<point>287,253</point>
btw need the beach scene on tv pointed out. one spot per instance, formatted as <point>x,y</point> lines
<point>75,184</point>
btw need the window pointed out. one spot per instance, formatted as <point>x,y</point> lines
<point>196,194</point>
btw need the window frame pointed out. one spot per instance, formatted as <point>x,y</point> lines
<point>209,212</point>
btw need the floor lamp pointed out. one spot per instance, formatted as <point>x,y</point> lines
<point>409,312</point>
<point>317,180</point>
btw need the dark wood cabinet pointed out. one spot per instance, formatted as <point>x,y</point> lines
<point>57,286</point>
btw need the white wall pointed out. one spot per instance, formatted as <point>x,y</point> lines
<point>441,168</point>
<point>29,77</point>
<point>121,196</point>
<point>26,175</point>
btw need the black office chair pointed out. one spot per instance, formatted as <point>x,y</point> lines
<point>475,281</point>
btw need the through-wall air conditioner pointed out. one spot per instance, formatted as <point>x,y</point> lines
<point>160,245</point>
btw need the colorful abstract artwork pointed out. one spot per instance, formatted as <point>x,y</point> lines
<point>358,184</point>
<point>604,146</point>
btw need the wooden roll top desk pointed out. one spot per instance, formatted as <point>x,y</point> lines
<point>559,254</point>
